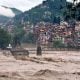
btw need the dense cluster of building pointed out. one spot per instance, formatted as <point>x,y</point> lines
<point>47,33</point>
<point>67,34</point>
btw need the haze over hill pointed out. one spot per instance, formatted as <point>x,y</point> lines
<point>7,13</point>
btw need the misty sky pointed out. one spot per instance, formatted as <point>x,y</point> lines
<point>21,4</point>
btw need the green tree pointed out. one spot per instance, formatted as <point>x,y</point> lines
<point>29,38</point>
<point>58,44</point>
<point>71,10</point>
<point>17,36</point>
<point>4,39</point>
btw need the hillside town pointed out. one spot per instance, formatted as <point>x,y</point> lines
<point>47,33</point>
<point>67,34</point>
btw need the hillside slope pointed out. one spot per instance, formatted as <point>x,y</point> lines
<point>49,11</point>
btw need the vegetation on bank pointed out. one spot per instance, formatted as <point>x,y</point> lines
<point>5,39</point>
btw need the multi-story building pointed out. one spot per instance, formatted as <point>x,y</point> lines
<point>77,38</point>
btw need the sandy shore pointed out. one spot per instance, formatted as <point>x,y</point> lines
<point>57,66</point>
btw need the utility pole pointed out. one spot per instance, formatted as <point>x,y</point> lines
<point>39,50</point>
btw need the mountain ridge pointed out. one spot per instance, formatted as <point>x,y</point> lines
<point>49,11</point>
